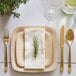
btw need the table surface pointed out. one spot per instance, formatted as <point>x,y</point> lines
<point>33,14</point>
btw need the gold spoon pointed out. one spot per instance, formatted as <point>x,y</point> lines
<point>69,40</point>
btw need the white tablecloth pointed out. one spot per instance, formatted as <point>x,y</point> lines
<point>33,14</point>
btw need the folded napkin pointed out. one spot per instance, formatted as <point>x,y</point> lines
<point>20,56</point>
<point>34,48</point>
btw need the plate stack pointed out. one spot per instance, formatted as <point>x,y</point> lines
<point>34,49</point>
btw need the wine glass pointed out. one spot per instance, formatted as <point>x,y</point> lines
<point>52,8</point>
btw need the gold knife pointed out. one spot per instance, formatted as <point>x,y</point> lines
<point>62,49</point>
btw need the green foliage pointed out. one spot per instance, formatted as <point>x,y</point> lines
<point>35,45</point>
<point>7,7</point>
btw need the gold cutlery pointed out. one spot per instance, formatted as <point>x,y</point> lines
<point>6,40</point>
<point>69,40</point>
<point>62,48</point>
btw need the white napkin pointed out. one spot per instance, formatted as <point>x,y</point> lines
<point>30,61</point>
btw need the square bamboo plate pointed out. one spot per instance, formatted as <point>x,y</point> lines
<point>51,67</point>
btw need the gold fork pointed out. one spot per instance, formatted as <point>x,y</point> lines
<point>6,40</point>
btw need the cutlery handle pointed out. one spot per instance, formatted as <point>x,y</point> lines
<point>6,60</point>
<point>62,61</point>
<point>69,60</point>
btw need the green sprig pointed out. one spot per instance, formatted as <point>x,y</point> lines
<point>35,45</point>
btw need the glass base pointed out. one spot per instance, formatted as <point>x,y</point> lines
<point>51,14</point>
<point>68,9</point>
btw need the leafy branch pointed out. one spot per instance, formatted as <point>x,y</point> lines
<point>8,6</point>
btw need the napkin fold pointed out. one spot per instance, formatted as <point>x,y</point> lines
<point>34,36</point>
